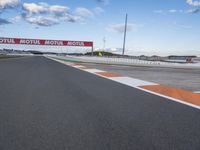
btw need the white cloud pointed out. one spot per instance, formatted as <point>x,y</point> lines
<point>189,11</point>
<point>193,2</point>
<point>190,2</point>
<point>33,8</point>
<point>8,3</point>
<point>172,10</point>
<point>193,11</point>
<point>58,10</point>
<point>43,14</point>
<point>71,18</point>
<point>120,27</point>
<point>42,21</point>
<point>98,10</point>
<point>175,11</point>
<point>84,12</point>
<point>104,2</point>
<point>4,21</point>
<point>16,19</point>
<point>158,11</point>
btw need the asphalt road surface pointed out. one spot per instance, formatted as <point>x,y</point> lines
<point>45,105</point>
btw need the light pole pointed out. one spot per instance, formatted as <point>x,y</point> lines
<point>124,44</point>
<point>104,43</point>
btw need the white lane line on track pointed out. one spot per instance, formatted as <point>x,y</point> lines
<point>198,92</point>
<point>68,63</point>
<point>78,66</point>
<point>131,81</point>
<point>93,70</point>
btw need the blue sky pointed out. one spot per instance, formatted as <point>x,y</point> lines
<point>155,26</point>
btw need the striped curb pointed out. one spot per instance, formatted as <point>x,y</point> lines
<point>178,95</point>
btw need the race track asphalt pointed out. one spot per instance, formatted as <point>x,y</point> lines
<point>45,105</point>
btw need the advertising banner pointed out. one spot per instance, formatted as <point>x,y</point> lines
<point>23,41</point>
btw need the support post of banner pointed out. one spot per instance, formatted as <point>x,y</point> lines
<point>92,49</point>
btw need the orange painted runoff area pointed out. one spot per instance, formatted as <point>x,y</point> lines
<point>179,94</point>
<point>108,74</point>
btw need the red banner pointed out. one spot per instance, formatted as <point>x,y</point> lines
<point>44,42</point>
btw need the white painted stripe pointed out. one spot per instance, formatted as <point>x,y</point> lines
<point>131,81</point>
<point>78,66</point>
<point>198,92</point>
<point>61,61</point>
<point>67,63</point>
<point>93,70</point>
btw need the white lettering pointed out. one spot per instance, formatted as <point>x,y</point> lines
<point>59,43</point>
<point>74,43</point>
<point>29,41</point>
<point>6,41</point>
